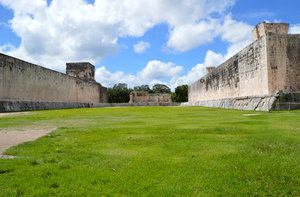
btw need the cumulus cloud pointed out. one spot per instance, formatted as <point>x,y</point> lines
<point>6,47</point>
<point>237,34</point>
<point>186,37</point>
<point>295,29</point>
<point>76,30</point>
<point>212,59</point>
<point>154,72</point>
<point>159,72</point>
<point>233,31</point>
<point>141,47</point>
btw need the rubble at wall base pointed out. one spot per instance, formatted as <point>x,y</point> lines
<point>270,102</point>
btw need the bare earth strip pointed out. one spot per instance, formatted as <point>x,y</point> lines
<point>13,138</point>
<point>14,113</point>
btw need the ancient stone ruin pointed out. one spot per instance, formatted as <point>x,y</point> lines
<point>263,76</point>
<point>25,86</point>
<point>145,97</point>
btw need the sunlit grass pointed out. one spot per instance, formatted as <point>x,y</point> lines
<point>155,151</point>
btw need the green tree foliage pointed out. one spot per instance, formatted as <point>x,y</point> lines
<point>161,88</point>
<point>142,88</point>
<point>119,93</point>
<point>181,94</point>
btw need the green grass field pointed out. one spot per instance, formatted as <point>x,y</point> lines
<point>154,151</point>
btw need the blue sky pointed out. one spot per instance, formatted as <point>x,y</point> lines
<point>136,41</point>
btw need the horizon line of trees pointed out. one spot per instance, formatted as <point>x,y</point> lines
<point>120,93</point>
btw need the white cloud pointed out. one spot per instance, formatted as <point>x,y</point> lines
<point>154,72</point>
<point>233,31</point>
<point>237,34</point>
<point>6,47</point>
<point>186,37</point>
<point>212,59</point>
<point>295,29</point>
<point>75,30</point>
<point>141,47</point>
<point>159,70</point>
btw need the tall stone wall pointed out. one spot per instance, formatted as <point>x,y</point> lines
<point>283,53</point>
<point>23,81</point>
<point>252,78</point>
<point>236,76</point>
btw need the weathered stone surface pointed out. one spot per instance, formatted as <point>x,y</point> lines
<point>10,106</point>
<point>264,28</point>
<point>82,70</point>
<point>268,65</point>
<point>209,69</point>
<point>244,74</point>
<point>30,87</point>
<point>145,97</point>
<point>270,102</point>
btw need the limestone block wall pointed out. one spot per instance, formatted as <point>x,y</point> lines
<point>283,54</point>
<point>23,81</point>
<point>236,76</point>
<point>144,97</point>
<point>270,64</point>
<point>265,28</point>
<point>83,70</point>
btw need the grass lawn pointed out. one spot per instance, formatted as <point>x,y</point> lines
<point>154,151</point>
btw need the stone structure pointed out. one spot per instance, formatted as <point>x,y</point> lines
<point>209,69</point>
<point>82,70</point>
<point>269,28</point>
<point>145,97</point>
<point>25,86</point>
<point>267,68</point>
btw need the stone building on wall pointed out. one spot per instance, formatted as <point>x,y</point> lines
<point>145,97</point>
<point>263,76</point>
<point>25,86</point>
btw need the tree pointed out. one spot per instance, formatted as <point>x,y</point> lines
<point>119,93</point>
<point>181,94</point>
<point>142,88</point>
<point>161,88</point>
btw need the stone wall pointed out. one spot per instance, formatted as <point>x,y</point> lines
<point>270,64</point>
<point>264,28</point>
<point>283,54</point>
<point>145,97</point>
<point>82,70</point>
<point>268,102</point>
<point>23,81</point>
<point>236,76</point>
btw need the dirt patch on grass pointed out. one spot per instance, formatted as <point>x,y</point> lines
<point>14,113</point>
<point>13,138</point>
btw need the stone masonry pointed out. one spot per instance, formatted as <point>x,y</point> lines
<point>25,86</point>
<point>145,97</point>
<point>269,65</point>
